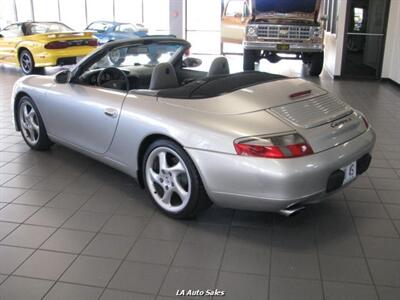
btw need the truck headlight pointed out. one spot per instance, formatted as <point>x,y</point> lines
<point>317,32</point>
<point>251,31</point>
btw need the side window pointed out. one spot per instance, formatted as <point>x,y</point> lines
<point>99,27</point>
<point>12,31</point>
<point>235,8</point>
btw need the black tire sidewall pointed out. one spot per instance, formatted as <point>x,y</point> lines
<point>249,60</point>
<point>317,64</point>
<point>44,142</point>
<point>197,189</point>
<point>32,61</point>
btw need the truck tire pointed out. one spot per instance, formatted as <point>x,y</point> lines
<point>316,64</point>
<point>249,59</point>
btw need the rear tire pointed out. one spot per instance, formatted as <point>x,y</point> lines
<point>31,124</point>
<point>172,180</point>
<point>316,63</point>
<point>249,59</point>
<point>27,63</point>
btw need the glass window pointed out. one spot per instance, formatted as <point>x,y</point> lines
<point>96,12</point>
<point>138,55</point>
<point>235,8</point>
<point>24,10</point>
<point>72,13</point>
<point>7,12</point>
<point>45,10</point>
<point>157,20</point>
<point>128,11</point>
<point>126,28</point>
<point>99,26</point>
<point>203,15</point>
<point>12,31</point>
<point>38,28</point>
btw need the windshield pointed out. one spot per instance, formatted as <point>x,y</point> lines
<point>126,28</point>
<point>100,27</point>
<point>285,6</point>
<point>38,28</point>
<point>138,55</point>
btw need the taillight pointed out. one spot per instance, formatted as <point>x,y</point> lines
<point>93,42</point>
<point>57,45</point>
<point>283,146</point>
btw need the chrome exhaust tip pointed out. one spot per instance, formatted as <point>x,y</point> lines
<point>291,211</point>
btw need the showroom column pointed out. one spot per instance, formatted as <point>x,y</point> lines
<point>176,18</point>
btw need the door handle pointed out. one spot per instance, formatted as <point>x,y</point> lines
<point>111,112</point>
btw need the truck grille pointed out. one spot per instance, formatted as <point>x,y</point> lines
<point>285,32</point>
<point>313,112</point>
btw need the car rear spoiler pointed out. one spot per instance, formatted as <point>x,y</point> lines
<point>58,35</point>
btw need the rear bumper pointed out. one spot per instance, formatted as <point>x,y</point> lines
<point>47,58</point>
<point>272,46</point>
<point>275,184</point>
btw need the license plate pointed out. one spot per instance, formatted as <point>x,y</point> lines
<point>350,172</point>
<point>282,47</point>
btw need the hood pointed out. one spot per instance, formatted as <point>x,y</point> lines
<point>293,9</point>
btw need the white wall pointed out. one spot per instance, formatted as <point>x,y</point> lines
<point>334,43</point>
<point>391,61</point>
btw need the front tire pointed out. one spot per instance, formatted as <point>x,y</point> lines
<point>316,63</point>
<point>27,63</point>
<point>172,180</point>
<point>31,124</point>
<point>249,59</point>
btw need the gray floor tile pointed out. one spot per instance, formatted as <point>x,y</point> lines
<point>139,277</point>
<point>393,211</point>
<point>66,291</point>
<point>337,244</point>
<point>386,184</point>
<point>349,291</point>
<point>206,233</point>
<point>38,198</point>
<point>48,216</point>
<point>375,227</point>
<point>10,194</point>
<point>17,288</point>
<point>299,289</point>
<point>296,265</point>
<point>45,265</point>
<point>55,184</point>
<point>91,271</point>
<point>125,225</point>
<point>67,201</point>
<point>385,248</point>
<point>17,213</point>
<point>102,204</point>
<point>349,269</point>
<point>251,219</point>
<point>88,221</point>
<point>388,293</point>
<point>381,173</point>
<point>185,278</point>
<point>6,228</point>
<point>164,229</point>
<point>242,286</point>
<point>28,236</point>
<point>362,195</point>
<point>14,168</point>
<point>385,272</point>
<point>5,177</point>
<point>66,240</point>
<point>153,251</point>
<point>23,181</point>
<point>12,257</point>
<point>199,255</point>
<point>362,182</point>
<point>369,210</point>
<point>136,207</point>
<point>392,197</point>
<point>122,295</point>
<point>107,245</point>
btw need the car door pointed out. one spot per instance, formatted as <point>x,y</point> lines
<point>11,36</point>
<point>84,116</point>
<point>233,23</point>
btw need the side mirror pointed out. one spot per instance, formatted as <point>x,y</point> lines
<point>63,76</point>
<point>191,62</point>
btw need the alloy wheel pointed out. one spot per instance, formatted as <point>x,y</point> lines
<point>26,62</point>
<point>168,179</point>
<point>29,122</point>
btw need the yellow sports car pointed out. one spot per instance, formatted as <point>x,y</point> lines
<point>35,45</point>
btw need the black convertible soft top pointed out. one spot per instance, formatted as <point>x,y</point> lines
<point>217,85</point>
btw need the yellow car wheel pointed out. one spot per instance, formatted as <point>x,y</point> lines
<point>27,63</point>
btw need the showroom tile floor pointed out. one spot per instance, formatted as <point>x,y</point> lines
<point>72,228</point>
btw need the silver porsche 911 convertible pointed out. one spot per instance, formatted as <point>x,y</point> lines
<point>247,140</point>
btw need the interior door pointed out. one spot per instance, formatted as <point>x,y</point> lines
<point>233,21</point>
<point>365,38</point>
<point>11,37</point>
<point>84,116</point>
